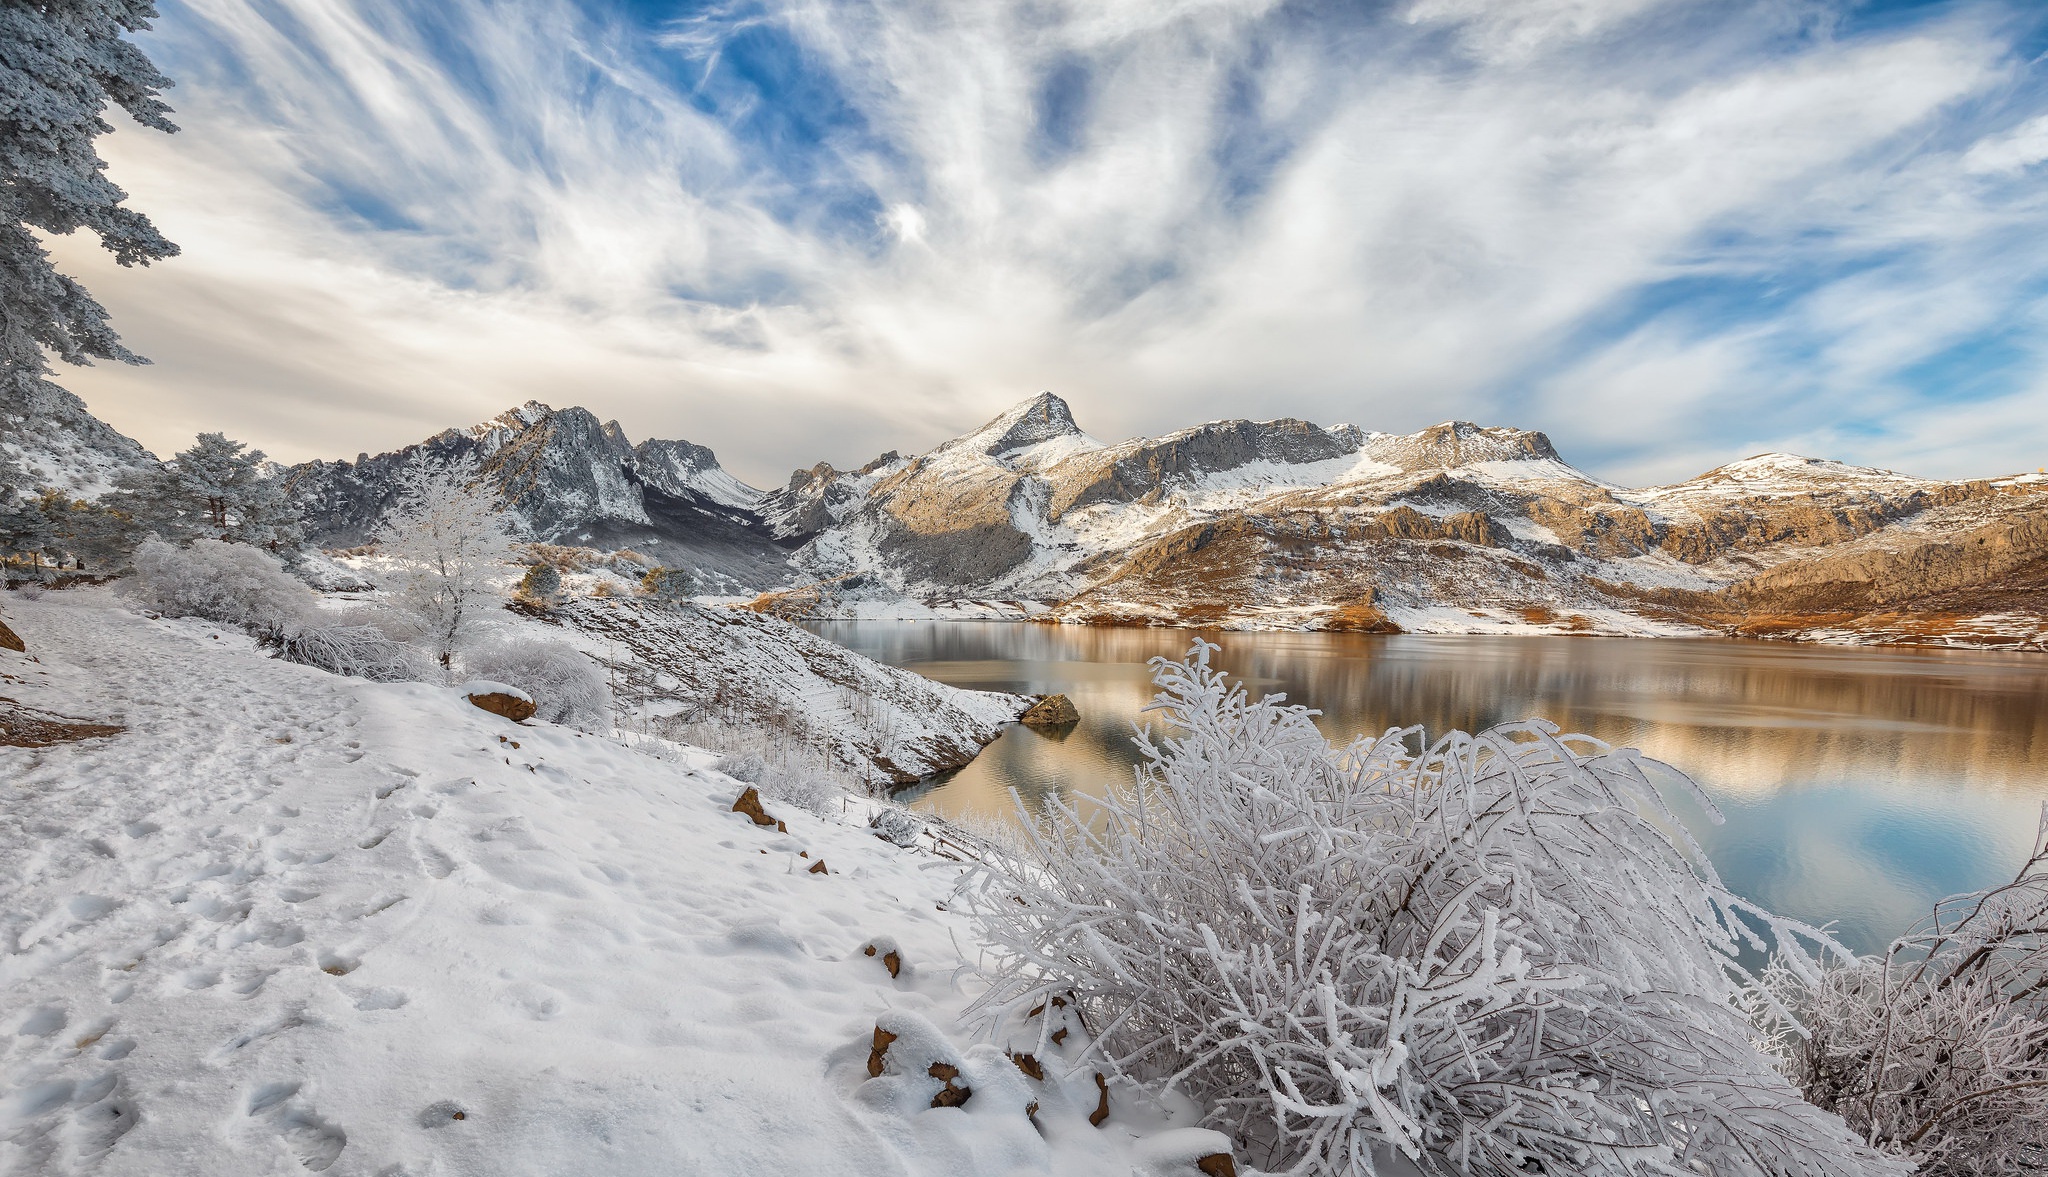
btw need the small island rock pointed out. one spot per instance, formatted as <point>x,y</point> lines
<point>1051,711</point>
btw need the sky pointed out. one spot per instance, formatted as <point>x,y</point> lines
<point>1669,233</point>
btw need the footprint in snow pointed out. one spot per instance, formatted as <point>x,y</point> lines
<point>313,1140</point>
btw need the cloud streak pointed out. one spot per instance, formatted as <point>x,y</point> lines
<point>1670,232</point>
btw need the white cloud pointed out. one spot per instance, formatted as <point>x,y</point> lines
<point>378,246</point>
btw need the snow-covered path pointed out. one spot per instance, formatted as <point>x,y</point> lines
<point>292,922</point>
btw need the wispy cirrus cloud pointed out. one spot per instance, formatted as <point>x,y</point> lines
<point>1671,232</point>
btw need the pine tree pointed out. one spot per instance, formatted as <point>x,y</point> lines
<point>217,489</point>
<point>25,528</point>
<point>61,63</point>
<point>541,585</point>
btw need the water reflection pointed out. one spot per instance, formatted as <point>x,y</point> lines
<point>1859,785</point>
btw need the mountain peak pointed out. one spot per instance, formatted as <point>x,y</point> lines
<point>1043,418</point>
<point>1461,443</point>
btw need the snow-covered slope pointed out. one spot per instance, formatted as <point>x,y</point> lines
<point>59,444</point>
<point>288,922</point>
<point>875,722</point>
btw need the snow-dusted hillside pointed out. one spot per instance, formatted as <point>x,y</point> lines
<point>289,922</point>
<point>742,669</point>
<point>60,444</point>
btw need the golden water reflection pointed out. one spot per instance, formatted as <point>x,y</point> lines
<point>1858,785</point>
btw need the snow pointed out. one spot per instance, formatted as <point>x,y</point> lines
<point>288,921</point>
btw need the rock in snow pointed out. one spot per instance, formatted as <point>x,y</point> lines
<point>293,922</point>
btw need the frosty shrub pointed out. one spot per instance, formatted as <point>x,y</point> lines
<point>541,585</point>
<point>743,766</point>
<point>1938,1049</point>
<point>360,651</point>
<point>1498,955</point>
<point>897,826</point>
<point>565,685</point>
<point>789,779</point>
<point>233,584</point>
<point>668,585</point>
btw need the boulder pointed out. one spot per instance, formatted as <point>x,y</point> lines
<point>1051,711</point>
<point>1184,1152</point>
<point>749,803</point>
<point>9,640</point>
<point>500,699</point>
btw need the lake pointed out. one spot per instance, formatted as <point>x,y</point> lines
<point>1858,785</point>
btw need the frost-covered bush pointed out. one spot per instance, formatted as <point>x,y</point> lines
<point>899,827</point>
<point>1938,1049</point>
<point>565,685</point>
<point>787,780</point>
<point>669,585</point>
<point>233,584</point>
<point>361,643</point>
<point>541,585</point>
<point>1497,955</point>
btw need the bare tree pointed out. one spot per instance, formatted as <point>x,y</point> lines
<point>449,535</point>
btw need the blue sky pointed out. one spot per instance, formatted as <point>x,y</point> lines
<point>1668,232</point>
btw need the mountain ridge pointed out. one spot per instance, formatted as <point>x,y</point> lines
<point>1457,527</point>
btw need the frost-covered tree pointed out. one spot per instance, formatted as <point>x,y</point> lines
<point>1938,1049</point>
<point>61,63</point>
<point>448,534</point>
<point>1498,954</point>
<point>219,489</point>
<point>26,530</point>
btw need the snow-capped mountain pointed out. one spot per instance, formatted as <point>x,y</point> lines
<point>1457,527</point>
<point>572,480</point>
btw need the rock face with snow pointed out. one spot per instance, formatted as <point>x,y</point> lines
<point>572,480</point>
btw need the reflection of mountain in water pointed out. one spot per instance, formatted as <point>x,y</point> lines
<point>1859,784</point>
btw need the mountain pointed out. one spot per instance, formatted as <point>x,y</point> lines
<point>1455,528</point>
<point>571,480</point>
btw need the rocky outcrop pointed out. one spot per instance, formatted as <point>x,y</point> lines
<point>1051,711</point>
<point>1458,443</point>
<point>498,699</point>
<point>9,640</point>
<point>1137,471</point>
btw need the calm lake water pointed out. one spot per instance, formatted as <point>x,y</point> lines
<point>1858,785</point>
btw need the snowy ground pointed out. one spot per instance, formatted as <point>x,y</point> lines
<point>288,922</point>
